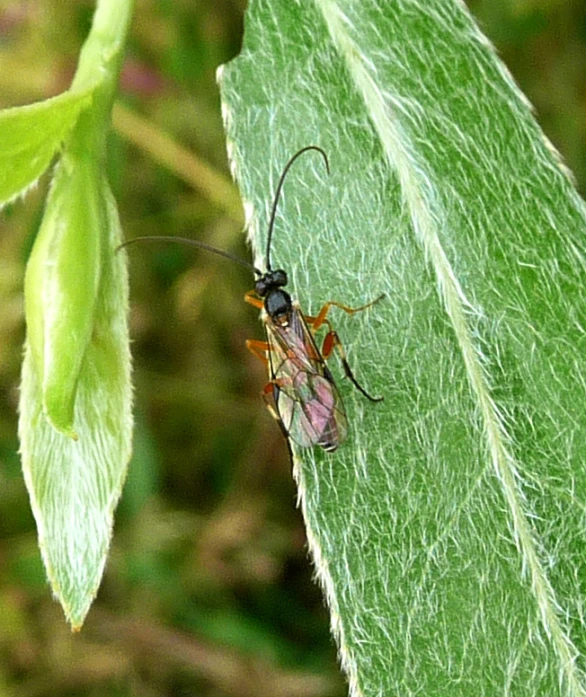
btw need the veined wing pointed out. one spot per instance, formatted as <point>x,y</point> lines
<point>306,397</point>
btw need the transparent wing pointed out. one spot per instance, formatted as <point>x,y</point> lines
<point>306,397</point>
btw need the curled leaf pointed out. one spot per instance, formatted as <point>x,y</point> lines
<point>75,406</point>
<point>61,285</point>
<point>74,485</point>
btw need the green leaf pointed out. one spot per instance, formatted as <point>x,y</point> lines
<point>75,409</point>
<point>61,285</point>
<point>448,532</point>
<point>74,484</point>
<point>31,136</point>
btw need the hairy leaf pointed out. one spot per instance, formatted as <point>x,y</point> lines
<point>31,136</point>
<point>62,281</point>
<point>448,533</point>
<point>74,484</point>
<point>75,422</point>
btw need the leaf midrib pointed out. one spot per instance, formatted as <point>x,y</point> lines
<point>396,146</point>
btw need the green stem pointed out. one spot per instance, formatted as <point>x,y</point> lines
<point>98,70</point>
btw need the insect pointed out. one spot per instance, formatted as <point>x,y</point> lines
<point>301,393</point>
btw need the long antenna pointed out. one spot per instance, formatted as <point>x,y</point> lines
<point>278,193</point>
<point>192,243</point>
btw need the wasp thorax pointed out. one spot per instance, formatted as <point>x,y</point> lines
<point>270,281</point>
<point>278,306</point>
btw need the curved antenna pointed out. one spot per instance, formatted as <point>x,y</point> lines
<point>278,193</point>
<point>192,243</point>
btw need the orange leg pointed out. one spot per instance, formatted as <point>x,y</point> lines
<point>332,340</point>
<point>268,395</point>
<point>258,349</point>
<point>252,299</point>
<point>320,318</point>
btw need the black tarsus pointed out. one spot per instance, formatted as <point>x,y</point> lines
<point>278,193</point>
<point>354,381</point>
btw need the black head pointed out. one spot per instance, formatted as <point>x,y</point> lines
<point>269,281</point>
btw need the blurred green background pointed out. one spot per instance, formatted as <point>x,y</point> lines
<point>208,588</point>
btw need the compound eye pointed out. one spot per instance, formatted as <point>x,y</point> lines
<point>260,287</point>
<point>280,278</point>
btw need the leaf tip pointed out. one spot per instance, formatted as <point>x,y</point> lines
<point>59,414</point>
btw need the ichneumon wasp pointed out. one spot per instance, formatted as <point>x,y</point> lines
<point>301,393</point>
